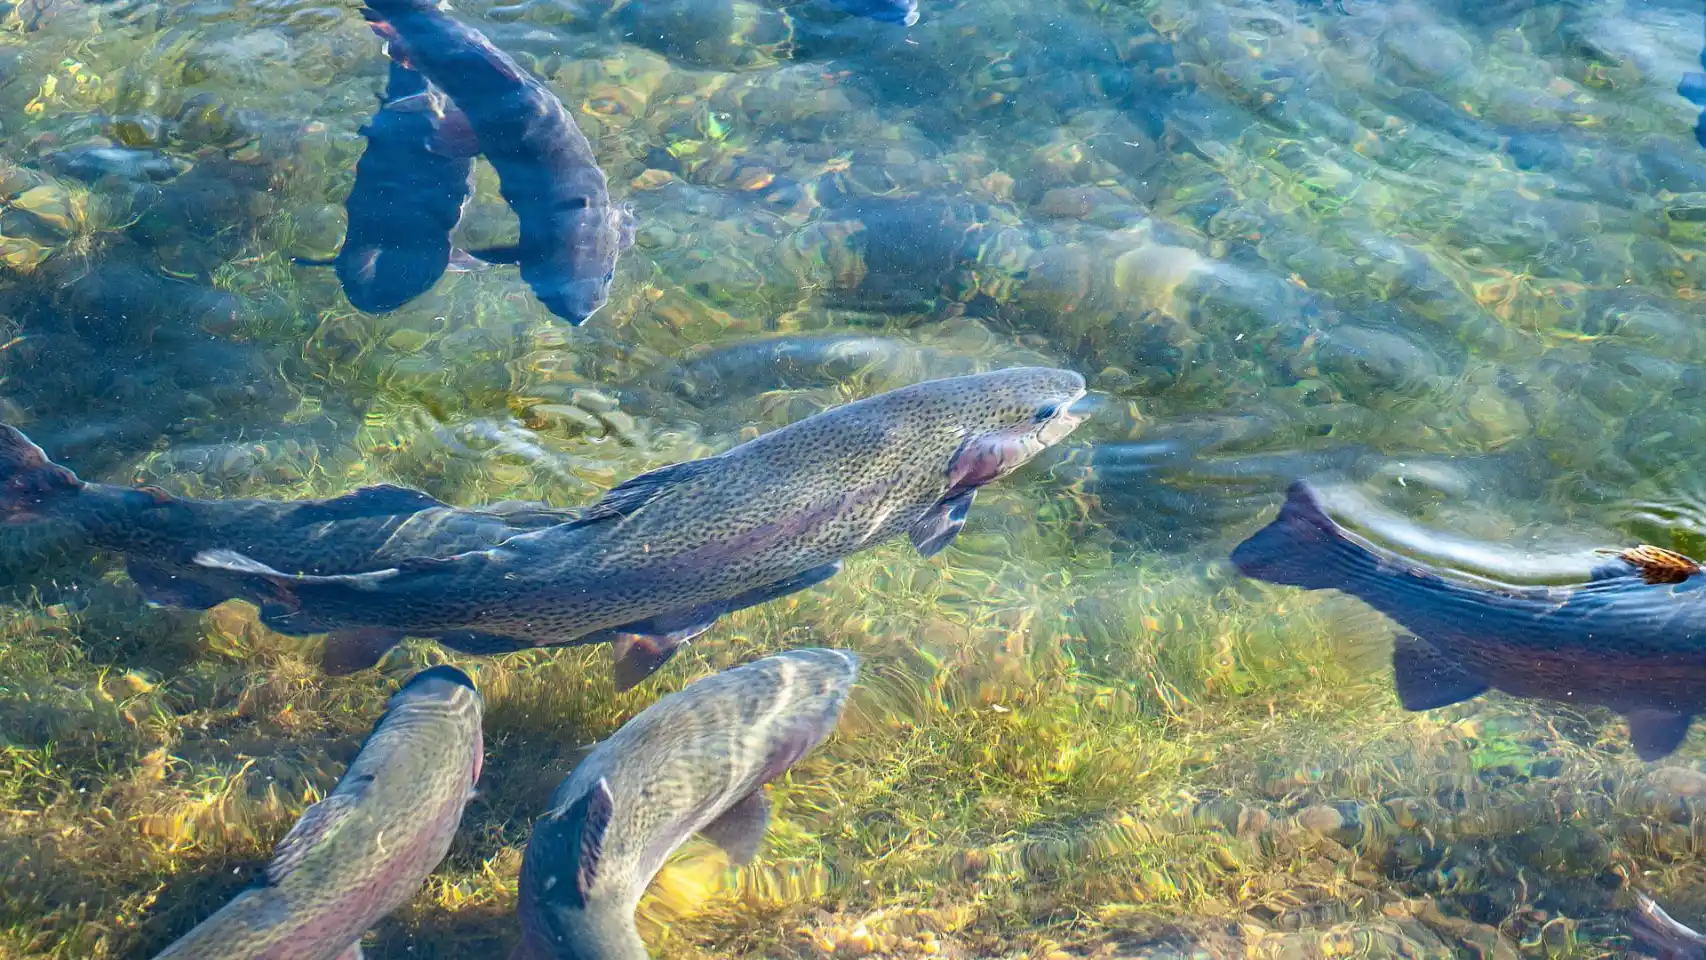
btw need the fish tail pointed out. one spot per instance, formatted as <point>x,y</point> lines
<point>29,481</point>
<point>1303,547</point>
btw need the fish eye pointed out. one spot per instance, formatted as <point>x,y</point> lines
<point>1046,412</point>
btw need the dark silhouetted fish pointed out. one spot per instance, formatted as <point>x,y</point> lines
<point>1633,638</point>
<point>694,762</point>
<point>364,850</point>
<point>160,534</point>
<point>411,185</point>
<point>659,558</point>
<point>571,235</point>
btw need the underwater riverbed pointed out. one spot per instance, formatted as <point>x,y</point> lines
<point>1443,258</point>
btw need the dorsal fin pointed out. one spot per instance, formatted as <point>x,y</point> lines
<point>381,500</point>
<point>630,495</point>
<point>1658,565</point>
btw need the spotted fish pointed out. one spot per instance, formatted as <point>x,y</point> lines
<point>1632,638</point>
<point>160,534</point>
<point>661,557</point>
<point>696,761</point>
<point>365,849</point>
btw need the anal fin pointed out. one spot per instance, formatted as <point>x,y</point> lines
<point>1426,678</point>
<point>741,828</point>
<point>1656,733</point>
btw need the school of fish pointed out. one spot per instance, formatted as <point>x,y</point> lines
<point>659,559</point>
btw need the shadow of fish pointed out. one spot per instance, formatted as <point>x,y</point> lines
<point>160,534</point>
<point>570,234</point>
<point>365,849</point>
<point>661,557</point>
<point>1633,638</point>
<point>408,196</point>
<point>694,762</point>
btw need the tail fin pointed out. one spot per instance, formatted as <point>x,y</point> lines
<point>28,479</point>
<point>1302,547</point>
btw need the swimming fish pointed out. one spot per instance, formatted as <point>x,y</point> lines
<point>571,235</point>
<point>1669,940</point>
<point>661,557</point>
<point>1632,638</point>
<point>365,849</point>
<point>407,199</point>
<point>696,761</point>
<point>160,534</point>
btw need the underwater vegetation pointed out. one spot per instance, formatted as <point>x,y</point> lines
<point>1445,257</point>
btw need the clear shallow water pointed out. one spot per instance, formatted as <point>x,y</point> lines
<point>1444,258</point>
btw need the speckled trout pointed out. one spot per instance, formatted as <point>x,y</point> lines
<point>1632,638</point>
<point>694,762</point>
<point>661,557</point>
<point>159,534</point>
<point>365,849</point>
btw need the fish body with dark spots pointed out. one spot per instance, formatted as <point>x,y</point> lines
<point>661,557</point>
<point>694,762</point>
<point>365,849</point>
<point>1632,638</point>
<point>159,534</point>
<point>408,196</point>
<point>570,233</point>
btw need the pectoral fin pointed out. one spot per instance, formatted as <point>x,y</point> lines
<point>933,532</point>
<point>1426,678</point>
<point>741,828</point>
<point>347,651</point>
<point>316,823</point>
<point>1656,733</point>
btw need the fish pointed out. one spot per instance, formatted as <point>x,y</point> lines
<point>1652,927</point>
<point>408,197</point>
<point>695,761</point>
<point>658,559</point>
<point>570,233</point>
<point>160,534</point>
<point>365,849</point>
<point>904,12</point>
<point>1631,638</point>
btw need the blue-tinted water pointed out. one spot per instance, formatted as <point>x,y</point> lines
<point>1443,259</point>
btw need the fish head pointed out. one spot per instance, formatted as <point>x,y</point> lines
<point>603,232</point>
<point>444,688</point>
<point>1003,419</point>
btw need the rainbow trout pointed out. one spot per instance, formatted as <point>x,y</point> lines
<point>160,534</point>
<point>571,235</point>
<point>1632,638</point>
<point>659,558</point>
<point>364,850</point>
<point>407,198</point>
<point>696,761</point>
